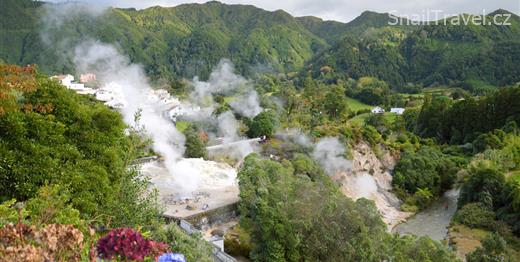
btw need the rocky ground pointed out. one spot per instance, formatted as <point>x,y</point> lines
<point>370,178</point>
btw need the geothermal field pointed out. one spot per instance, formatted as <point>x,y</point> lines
<point>186,186</point>
<point>191,186</point>
<point>218,187</point>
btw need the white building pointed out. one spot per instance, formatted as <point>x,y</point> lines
<point>397,110</point>
<point>68,81</point>
<point>377,110</point>
<point>87,78</point>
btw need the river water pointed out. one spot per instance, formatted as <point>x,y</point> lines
<point>434,221</point>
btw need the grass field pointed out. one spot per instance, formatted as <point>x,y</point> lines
<point>181,125</point>
<point>355,105</point>
<point>515,175</point>
<point>360,119</point>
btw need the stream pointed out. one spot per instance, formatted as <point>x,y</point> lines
<point>432,222</point>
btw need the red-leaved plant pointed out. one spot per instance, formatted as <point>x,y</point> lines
<point>127,244</point>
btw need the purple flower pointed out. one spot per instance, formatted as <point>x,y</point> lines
<point>172,257</point>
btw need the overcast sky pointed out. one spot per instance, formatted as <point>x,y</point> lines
<point>343,10</point>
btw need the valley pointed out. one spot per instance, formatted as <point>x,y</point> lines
<point>226,132</point>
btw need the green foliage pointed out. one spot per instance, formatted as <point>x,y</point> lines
<point>67,144</point>
<point>411,248</point>
<point>189,40</point>
<point>52,206</point>
<point>427,169</point>
<point>11,212</point>
<point>304,165</point>
<point>379,122</point>
<point>371,135</point>
<point>484,185</point>
<point>237,242</point>
<point>134,204</point>
<point>170,43</point>
<point>285,216</point>
<point>193,247</point>
<point>475,215</point>
<point>370,90</point>
<point>195,148</point>
<point>335,103</point>
<point>492,140</point>
<point>487,185</point>
<point>429,54</point>
<point>463,121</point>
<point>263,124</point>
<point>423,197</point>
<point>493,250</point>
<point>75,143</point>
<point>292,218</point>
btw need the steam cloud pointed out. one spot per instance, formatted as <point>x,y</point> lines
<point>224,81</point>
<point>329,152</point>
<point>117,73</point>
<point>245,102</point>
<point>113,68</point>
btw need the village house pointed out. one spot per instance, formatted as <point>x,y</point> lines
<point>397,110</point>
<point>87,78</point>
<point>377,110</point>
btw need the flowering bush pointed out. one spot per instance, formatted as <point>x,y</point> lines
<point>128,244</point>
<point>53,243</point>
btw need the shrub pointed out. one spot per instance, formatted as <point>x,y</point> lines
<point>494,248</point>
<point>475,215</point>
<point>54,242</point>
<point>125,243</point>
<point>262,125</point>
<point>195,148</point>
<point>193,247</point>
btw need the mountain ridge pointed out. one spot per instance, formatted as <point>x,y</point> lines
<point>189,39</point>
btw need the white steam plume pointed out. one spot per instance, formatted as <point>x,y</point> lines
<point>224,81</point>
<point>115,69</point>
<point>329,152</point>
<point>228,129</point>
<point>245,102</point>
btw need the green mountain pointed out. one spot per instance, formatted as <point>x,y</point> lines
<point>430,54</point>
<point>186,40</point>
<point>190,39</point>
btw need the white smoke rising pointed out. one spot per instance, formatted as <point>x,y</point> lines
<point>115,69</point>
<point>129,81</point>
<point>362,185</point>
<point>297,136</point>
<point>224,81</point>
<point>245,102</point>
<point>329,152</point>
<point>228,129</point>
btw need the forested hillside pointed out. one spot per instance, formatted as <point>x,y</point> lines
<point>464,55</point>
<point>184,41</point>
<point>190,39</point>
